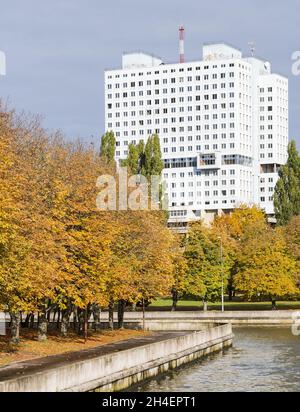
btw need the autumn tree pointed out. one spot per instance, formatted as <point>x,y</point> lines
<point>30,267</point>
<point>265,267</point>
<point>88,232</point>
<point>142,259</point>
<point>233,227</point>
<point>13,247</point>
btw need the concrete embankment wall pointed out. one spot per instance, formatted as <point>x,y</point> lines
<point>196,320</point>
<point>119,370</point>
<point>173,325</point>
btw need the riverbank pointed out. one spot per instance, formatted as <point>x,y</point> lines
<point>115,366</point>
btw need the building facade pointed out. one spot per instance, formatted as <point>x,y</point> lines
<point>222,123</point>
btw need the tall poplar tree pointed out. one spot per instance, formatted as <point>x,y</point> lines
<point>135,160</point>
<point>287,190</point>
<point>108,147</point>
<point>153,160</point>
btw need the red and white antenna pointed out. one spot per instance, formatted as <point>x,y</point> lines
<point>181,44</point>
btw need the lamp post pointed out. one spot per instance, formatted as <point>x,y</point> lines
<point>222,274</point>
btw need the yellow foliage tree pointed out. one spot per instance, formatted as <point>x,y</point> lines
<point>265,268</point>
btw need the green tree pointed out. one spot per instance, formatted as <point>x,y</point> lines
<point>108,147</point>
<point>153,159</point>
<point>135,158</point>
<point>205,267</point>
<point>292,235</point>
<point>287,190</point>
<point>145,159</point>
<point>179,286</point>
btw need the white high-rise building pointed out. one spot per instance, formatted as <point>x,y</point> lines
<point>222,123</point>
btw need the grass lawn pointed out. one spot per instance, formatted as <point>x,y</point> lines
<point>30,348</point>
<point>165,304</point>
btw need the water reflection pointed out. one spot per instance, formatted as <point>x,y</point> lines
<point>262,359</point>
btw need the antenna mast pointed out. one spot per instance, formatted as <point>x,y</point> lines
<point>181,44</point>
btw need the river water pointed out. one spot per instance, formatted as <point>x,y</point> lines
<point>261,359</point>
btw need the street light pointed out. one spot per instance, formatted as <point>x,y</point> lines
<point>222,274</point>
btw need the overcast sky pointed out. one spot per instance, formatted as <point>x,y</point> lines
<point>57,50</point>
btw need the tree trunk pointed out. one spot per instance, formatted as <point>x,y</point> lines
<point>42,326</point>
<point>274,304</point>
<point>58,318</point>
<point>144,319</point>
<point>75,318</point>
<point>230,293</point>
<point>31,324</point>
<point>49,316</point>
<point>80,323</point>
<point>89,311</point>
<point>85,325</point>
<point>26,321</point>
<point>175,299</point>
<point>204,305</point>
<point>97,317</point>
<point>121,310</point>
<point>65,322</point>
<point>15,327</point>
<point>111,314</point>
